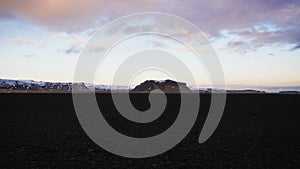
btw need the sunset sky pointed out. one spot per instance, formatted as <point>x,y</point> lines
<point>257,41</point>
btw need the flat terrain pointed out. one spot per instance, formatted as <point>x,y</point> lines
<point>256,131</point>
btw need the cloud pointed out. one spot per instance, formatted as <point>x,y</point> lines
<point>5,15</point>
<point>98,48</point>
<point>29,55</point>
<point>70,50</point>
<point>158,43</point>
<point>57,36</point>
<point>75,46</point>
<point>65,15</point>
<point>20,41</point>
<point>210,16</point>
<point>77,41</point>
<point>296,48</point>
<point>252,38</point>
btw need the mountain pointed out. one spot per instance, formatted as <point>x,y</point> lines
<point>289,92</point>
<point>7,85</point>
<point>33,85</point>
<point>167,86</point>
<point>247,91</point>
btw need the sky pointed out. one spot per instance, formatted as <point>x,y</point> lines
<point>257,42</point>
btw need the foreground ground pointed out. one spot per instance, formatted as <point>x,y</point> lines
<point>256,131</point>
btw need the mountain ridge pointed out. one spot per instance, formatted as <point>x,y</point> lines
<point>41,86</point>
<point>167,86</point>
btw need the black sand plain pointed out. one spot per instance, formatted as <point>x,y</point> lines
<point>256,131</point>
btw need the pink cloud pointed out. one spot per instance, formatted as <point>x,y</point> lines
<point>69,15</point>
<point>21,41</point>
<point>57,36</point>
<point>210,16</point>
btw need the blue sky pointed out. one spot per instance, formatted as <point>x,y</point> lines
<point>258,42</point>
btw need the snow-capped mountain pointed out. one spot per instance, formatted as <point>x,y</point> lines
<point>107,87</point>
<point>55,86</point>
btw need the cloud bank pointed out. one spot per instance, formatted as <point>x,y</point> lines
<point>253,23</point>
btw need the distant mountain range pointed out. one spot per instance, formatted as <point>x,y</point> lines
<point>40,86</point>
<point>167,86</point>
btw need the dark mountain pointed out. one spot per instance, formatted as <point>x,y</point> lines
<point>247,91</point>
<point>167,86</point>
<point>289,92</point>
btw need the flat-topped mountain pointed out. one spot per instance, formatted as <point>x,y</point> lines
<point>167,86</point>
<point>289,92</point>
